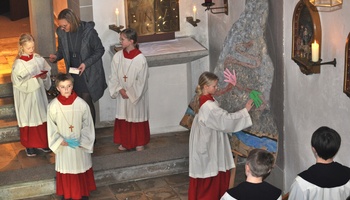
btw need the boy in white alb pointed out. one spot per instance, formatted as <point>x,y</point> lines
<point>71,136</point>
<point>258,166</point>
<point>326,179</point>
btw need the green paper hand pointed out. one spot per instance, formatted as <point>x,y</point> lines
<point>254,95</point>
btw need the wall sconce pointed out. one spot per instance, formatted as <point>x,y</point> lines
<point>193,20</point>
<point>327,5</point>
<point>209,4</point>
<point>315,59</point>
<point>116,27</point>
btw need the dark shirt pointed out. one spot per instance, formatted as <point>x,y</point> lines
<point>255,191</point>
<point>327,175</point>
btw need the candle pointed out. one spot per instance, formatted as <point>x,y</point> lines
<point>208,1</point>
<point>117,17</point>
<point>315,52</point>
<point>194,13</point>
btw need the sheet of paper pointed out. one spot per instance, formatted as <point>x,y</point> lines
<point>73,70</point>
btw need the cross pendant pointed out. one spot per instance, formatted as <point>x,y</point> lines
<point>71,128</point>
<point>74,55</point>
<point>125,77</point>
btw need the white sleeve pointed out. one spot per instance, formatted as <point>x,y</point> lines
<point>136,91</point>
<point>219,119</point>
<point>226,196</point>
<point>113,81</point>
<point>296,192</point>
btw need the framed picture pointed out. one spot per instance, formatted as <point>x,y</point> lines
<point>347,68</point>
<point>306,30</point>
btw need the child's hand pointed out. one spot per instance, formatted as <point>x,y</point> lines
<point>123,93</point>
<point>254,95</point>
<point>43,76</point>
<point>230,77</point>
<point>249,104</point>
<point>64,143</point>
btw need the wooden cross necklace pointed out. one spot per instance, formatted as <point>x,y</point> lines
<point>125,77</point>
<point>70,125</point>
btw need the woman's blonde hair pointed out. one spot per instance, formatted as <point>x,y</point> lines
<point>24,38</point>
<point>206,78</point>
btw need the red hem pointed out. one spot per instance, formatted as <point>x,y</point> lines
<point>209,188</point>
<point>34,137</point>
<point>131,134</point>
<point>75,186</point>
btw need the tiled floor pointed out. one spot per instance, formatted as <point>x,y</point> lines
<point>173,187</point>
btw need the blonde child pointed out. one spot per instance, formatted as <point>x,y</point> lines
<point>30,79</point>
<point>258,166</point>
<point>128,84</point>
<point>71,135</point>
<point>210,157</point>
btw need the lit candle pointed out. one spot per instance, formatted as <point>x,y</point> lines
<point>117,17</point>
<point>315,52</point>
<point>194,13</point>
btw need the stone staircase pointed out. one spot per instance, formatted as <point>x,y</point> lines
<point>9,131</point>
<point>166,154</point>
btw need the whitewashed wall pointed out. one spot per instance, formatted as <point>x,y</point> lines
<point>315,100</point>
<point>104,14</point>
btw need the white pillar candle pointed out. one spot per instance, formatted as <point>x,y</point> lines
<point>194,13</point>
<point>117,17</point>
<point>315,48</point>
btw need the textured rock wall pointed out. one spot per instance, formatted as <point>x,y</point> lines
<point>245,51</point>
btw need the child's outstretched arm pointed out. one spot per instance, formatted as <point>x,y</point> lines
<point>231,79</point>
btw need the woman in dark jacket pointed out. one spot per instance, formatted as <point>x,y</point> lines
<point>82,51</point>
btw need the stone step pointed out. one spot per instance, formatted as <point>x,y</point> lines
<point>7,108</point>
<point>166,154</point>
<point>6,90</point>
<point>5,78</point>
<point>9,131</point>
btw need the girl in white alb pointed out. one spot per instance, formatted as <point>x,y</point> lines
<point>128,84</point>
<point>30,78</point>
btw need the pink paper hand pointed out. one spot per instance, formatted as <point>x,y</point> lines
<point>230,77</point>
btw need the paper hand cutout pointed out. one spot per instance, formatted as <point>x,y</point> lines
<point>230,77</point>
<point>254,95</point>
<point>73,142</point>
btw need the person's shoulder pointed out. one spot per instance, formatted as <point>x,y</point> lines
<point>81,102</point>
<point>53,102</point>
<point>87,25</point>
<point>271,188</point>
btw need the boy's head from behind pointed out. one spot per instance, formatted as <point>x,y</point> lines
<point>64,84</point>
<point>260,162</point>
<point>326,142</point>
